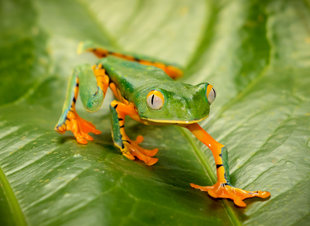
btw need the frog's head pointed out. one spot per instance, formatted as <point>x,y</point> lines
<point>174,102</point>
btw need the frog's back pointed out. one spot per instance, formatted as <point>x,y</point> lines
<point>130,76</point>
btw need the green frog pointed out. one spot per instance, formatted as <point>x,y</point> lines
<point>146,90</point>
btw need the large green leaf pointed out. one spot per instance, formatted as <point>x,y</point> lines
<point>256,54</point>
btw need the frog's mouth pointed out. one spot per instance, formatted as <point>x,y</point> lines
<point>180,122</point>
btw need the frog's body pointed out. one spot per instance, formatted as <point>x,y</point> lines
<point>146,91</point>
<point>135,81</point>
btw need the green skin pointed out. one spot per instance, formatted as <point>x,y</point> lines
<point>183,103</point>
<point>156,98</point>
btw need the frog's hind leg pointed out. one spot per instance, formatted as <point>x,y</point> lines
<point>222,188</point>
<point>129,148</point>
<point>171,70</point>
<point>92,85</point>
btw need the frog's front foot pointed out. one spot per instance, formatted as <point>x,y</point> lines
<point>78,126</point>
<point>224,190</point>
<point>132,150</point>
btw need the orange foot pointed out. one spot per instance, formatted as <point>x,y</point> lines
<point>132,150</point>
<point>78,126</point>
<point>222,190</point>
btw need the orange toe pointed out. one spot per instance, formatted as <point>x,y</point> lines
<point>129,156</point>
<point>264,194</point>
<point>224,190</point>
<point>81,140</point>
<point>146,159</point>
<point>239,202</point>
<point>132,150</point>
<point>151,161</point>
<point>150,153</point>
<point>60,129</point>
<point>139,139</point>
<point>79,127</point>
<point>87,127</point>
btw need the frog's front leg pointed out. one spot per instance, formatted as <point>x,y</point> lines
<point>222,188</point>
<point>92,82</point>
<point>129,148</point>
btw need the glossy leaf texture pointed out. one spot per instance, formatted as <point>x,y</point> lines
<point>255,53</point>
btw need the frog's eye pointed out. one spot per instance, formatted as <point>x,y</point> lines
<point>155,99</point>
<point>211,94</point>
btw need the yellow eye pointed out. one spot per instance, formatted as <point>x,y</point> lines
<point>155,99</point>
<point>211,94</point>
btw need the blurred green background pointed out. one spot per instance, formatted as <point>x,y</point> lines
<point>256,53</point>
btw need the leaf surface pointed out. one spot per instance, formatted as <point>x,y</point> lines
<point>255,53</point>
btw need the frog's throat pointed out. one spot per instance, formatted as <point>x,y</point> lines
<point>182,122</point>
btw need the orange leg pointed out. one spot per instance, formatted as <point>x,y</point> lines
<point>129,148</point>
<point>171,70</point>
<point>70,120</point>
<point>117,93</point>
<point>78,126</point>
<point>222,188</point>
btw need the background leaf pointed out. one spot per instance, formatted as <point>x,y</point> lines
<point>255,53</point>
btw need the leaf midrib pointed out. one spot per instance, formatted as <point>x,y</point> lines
<point>207,168</point>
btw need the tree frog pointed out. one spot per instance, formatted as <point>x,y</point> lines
<point>146,90</point>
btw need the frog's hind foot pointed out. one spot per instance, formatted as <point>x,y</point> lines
<point>129,148</point>
<point>78,126</point>
<point>132,150</point>
<point>224,190</point>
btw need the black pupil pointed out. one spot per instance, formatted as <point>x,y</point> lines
<point>152,101</point>
<point>214,93</point>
